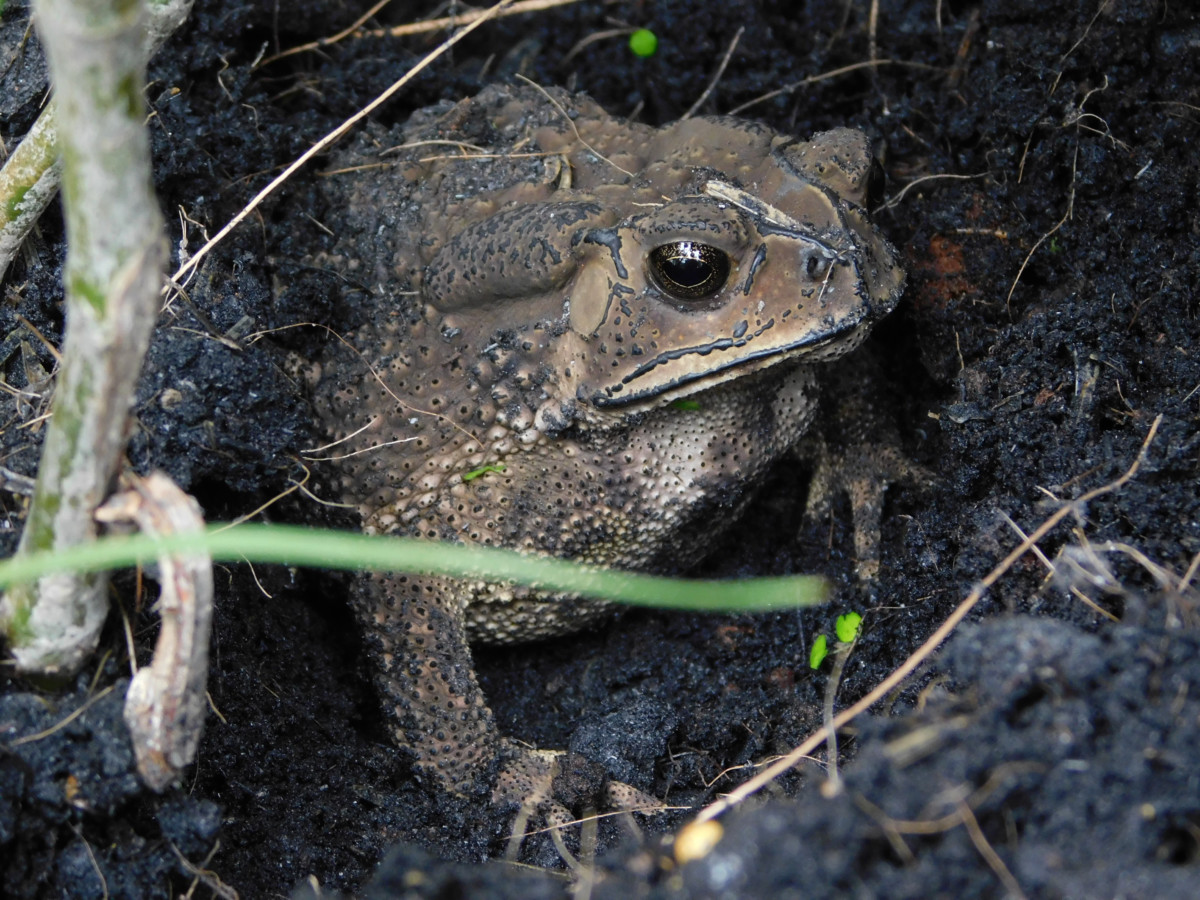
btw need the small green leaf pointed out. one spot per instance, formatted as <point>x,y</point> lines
<point>643,42</point>
<point>820,649</point>
<point>847,627</point>
<point>686,405</point>
<point>483,470</point>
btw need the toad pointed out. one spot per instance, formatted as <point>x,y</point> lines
<point>581,337</point>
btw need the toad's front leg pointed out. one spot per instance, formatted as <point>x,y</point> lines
<point>416,634</point>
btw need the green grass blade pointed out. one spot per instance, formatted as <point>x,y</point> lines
<point>299,546</point>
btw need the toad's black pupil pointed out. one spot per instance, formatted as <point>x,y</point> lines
<point>689,270</point>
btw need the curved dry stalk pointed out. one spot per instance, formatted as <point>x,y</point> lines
<point>165,704</point>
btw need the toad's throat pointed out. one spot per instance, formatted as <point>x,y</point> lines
<point>823,344</point>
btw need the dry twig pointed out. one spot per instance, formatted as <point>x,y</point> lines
<point>935,640</point>
<point>712,83</point>
<point>466,18</point>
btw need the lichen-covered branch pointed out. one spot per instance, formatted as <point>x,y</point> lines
<point>29,178</point>
<point>28,182</point>
<point>116,252</point>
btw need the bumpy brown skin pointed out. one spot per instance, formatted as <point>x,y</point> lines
<point>522,322</point>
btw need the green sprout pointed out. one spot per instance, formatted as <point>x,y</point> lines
<point>820,649</point>
<point>847,627</point>
<point>643,42</point>
<point>483,470</point>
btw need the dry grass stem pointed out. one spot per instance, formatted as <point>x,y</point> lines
<point>204,876</point>
<point>466,18</point>
<point>1075,46</point>
<point>894,201</point>
<point>332,137</point>
<point>712,84</point>
<point>990,856</point>
<point>1045,237</point>
<point>935,640</point>
<point>571,121</point>
<point>594,37</point>
<point>832,73</point>
<point>99,873</point>
<point>63,723</point>
<point>328,41</point>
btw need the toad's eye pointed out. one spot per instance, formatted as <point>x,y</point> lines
<point>688,270</point>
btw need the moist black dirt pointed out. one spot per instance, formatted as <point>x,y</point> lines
<point>1051,316</point>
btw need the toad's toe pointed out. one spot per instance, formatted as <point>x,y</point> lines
<point>550,786</point>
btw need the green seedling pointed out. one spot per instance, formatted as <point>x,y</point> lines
<point>820,649</point>
<point>847,626</point>
<point>643,42</point>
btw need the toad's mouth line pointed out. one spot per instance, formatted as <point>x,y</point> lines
<point>756,360</point>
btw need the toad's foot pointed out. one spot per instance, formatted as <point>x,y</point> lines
<point>549,784</point>
<point>864,474</point>
<point>855,449</point>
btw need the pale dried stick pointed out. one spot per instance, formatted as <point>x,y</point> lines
<point>165,705</point>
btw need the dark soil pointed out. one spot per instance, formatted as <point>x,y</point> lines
<point>1048,749</point>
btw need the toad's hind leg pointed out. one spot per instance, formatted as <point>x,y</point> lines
<point>416,633</point>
